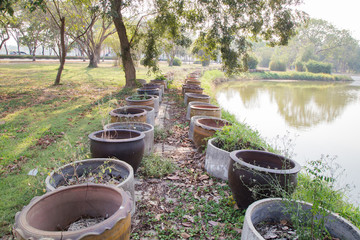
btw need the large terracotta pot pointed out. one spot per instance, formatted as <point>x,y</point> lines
<point>191,88</point>
<point>194,97</point>
<point>143,100</point>
<point>194,103</point>
<point>47,216</point>
<point>115,168</point>
<point>150,113</point>
<point>205,110</point>
<point>194,82</point>
<point>126,145</point>
<point>206,127</point>
<point>150,91</point>
<point>146,128</point>
<point>161,82</point>
<point>277,209</point>
<point>255,174</point>
<point>128,114</point>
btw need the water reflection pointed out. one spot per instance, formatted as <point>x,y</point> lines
<point>301,104</point>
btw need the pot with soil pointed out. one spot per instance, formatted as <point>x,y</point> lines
<point>255,174</point>
<point>191,88</point>
<point>205,110</point>
<point>128,114</point>
<point>145,128</point>
<point>194,97</point>
<point>87,211</point>
<point>216,160</point>
<point>205,128</point>
<point>96,170</point>
<point>126,145</point>
<point>150,91</point>
<point>150,113</point>
<point>194,103</point>
<point>143,100</point>
<point>276,213</point>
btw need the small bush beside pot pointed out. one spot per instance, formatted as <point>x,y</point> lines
<point>127,145</point>
<point>48,216</point>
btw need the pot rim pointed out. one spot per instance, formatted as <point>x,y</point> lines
<point>293,170</point>
<point>205,107</point>
<point>146,108</point>
<point>121,213</point>
<point>92,136</point>
<point>151,127</point>
<point>197,95</point>
<point>114,114</point>
<point>204,126</point>
<point>148,97</point>
<point>111,160</point>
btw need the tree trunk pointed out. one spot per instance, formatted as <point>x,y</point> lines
<point>94,56</point>
<point>128,64</point>
<point>62,51</point>
<point>6,49</point>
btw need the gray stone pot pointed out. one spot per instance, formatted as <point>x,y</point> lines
<point>118,168</point>
<point>156,103</point>
<point>273,209</point>
<point>217,161</point>
<point>194,103</point>
<point>146,128</point>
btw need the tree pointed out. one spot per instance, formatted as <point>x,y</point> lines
<point>227,25</point>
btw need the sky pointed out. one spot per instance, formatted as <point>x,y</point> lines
<point>344,14</point>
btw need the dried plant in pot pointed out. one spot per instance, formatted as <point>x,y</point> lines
<point>206,127</point>
<point>276,210</point>
<point>123,144</point>
<point>96,170</point>
<point>128,114</point>
<point>142,100</point>
<point>255,174</point>
<point>146,128</point>
<point>51,215</point>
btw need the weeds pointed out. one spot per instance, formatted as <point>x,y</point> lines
<point>157,166</point>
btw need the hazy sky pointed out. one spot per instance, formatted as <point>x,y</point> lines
<point>344,14</point>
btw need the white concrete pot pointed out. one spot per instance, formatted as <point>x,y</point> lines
<point>217,161</point>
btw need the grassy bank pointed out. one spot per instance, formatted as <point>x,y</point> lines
<point>44,126</point>
<point>306,188</point>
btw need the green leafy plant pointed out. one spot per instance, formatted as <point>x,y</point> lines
<point>177,62</point>
<point>160,77</point>
<point>239,136</point>
<point>318,67</point>
<point>157,166</point>
<point>277,65</point>
<point>139,97</point>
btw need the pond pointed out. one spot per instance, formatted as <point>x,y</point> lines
<point>321,118</point>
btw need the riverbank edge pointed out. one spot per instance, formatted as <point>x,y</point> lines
<point>209,81</point>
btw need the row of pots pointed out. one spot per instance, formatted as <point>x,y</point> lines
<point>49,216</point>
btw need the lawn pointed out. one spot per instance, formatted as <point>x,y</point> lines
<point>44,126</point>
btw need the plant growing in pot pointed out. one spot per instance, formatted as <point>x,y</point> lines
<point>53,215</point>
<point>236,136</point>
<point>96,170</point>
<point>143,100</point>
<point>123,144</point>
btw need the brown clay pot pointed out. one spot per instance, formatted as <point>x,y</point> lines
<point>128,114</point>
<point>191,88</point>
<point>254,175</point>
<point>125,145</point>
<point>194,97</point>
<point>205,110</point>
<point>194,82</point>
<point>47,216</point>
<point>142,100</point>
<point>161,82</point>
<point>206,127</point>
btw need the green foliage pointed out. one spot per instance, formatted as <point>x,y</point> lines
<point>277,65</point>
<point>177,62</point>
<point>318,67</point>
<point>300,66</point>
<point>205,63</point>
<point>252,62</point>
<point>239,136</point>
<point>157,166</point>
<point>297,76</point>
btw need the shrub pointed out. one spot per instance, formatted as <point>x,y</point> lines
<point>300,66</point>
<point>252,62</point>
<point>205,63</point>
<point>318,67</point>
<point>177,62</point>
<point>157,166</point>
<point>277,65</point>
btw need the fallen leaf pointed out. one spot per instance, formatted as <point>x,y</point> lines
<point>190,218</point>
<point>213,223</point>
<point>203,177</point>
<point>283,222</point>
<point>173,178</point>
<point>187,224</point>
<point>185,235</point>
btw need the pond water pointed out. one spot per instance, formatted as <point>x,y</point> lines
<point>322,118</point>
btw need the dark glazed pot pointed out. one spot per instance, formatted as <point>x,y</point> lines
<point>143,100</point>
<point>276,209</point>
<point>205,110</point>
<point>150,91</point>
<point>125,145</point>
<point>154,86</point>
<point>206,127</point>
<point>194,97</point>
<point>255,175</point>
<point>128,114</point>
<point>47,216</point>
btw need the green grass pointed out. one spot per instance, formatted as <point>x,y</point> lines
<point>44,126</point>
<point>157,166</point>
